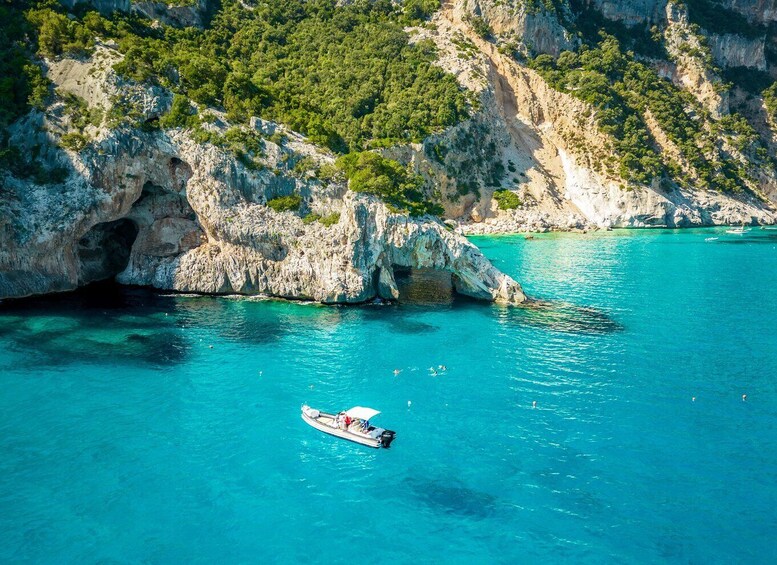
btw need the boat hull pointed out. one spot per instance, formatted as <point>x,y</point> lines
<point>343,434</point>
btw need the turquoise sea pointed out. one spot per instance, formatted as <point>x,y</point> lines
<point>141,428</point>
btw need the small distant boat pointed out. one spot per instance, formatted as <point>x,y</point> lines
<point>711,239</point>
<point>738,231</point>
<point>353,425</point>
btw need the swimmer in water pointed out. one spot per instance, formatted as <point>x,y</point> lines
<point>442,368</point>
<point>744,398</point>
<point>534,404</point>
<point>396,372</point>
<point>693,399</point>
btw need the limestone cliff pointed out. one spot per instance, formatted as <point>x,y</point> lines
<point>550,142</point>
<point>545,146</point>
<point>157,208</point>
<point>534,25</point>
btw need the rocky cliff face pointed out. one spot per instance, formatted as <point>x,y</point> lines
<point>691,52</point>
<point>633,12</point>
<point>762,11</point>
<point>630,12</point>
<point>545,146</point>
<point>730,50</point>
<point>156,208</point>
<point>183,14</point>
<point>537,28</point>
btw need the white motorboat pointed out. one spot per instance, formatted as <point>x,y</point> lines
<point>353,425</point>
<point>738,231</point>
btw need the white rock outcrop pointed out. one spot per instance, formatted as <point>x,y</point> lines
<point>158,209</point>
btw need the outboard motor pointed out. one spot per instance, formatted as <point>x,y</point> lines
<point>387,437</point>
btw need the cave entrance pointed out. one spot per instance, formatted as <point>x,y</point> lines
<point>424,286</point>
<point>105,250</point>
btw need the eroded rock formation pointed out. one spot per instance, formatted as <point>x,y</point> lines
<point>157,208</point>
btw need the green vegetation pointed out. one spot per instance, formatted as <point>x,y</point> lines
<point>507,199</point>
<point>58,34</point>
<point>470,168</point>
<point>416,10</point>
<point>623,91</point>
<point>345,76</point>
<point>74,140</point>
<point>589,22</point>
<point>285,203</point>
<point>173,2</point>
<point>552,6</point>
<point>22,84</point>
<point>770,101</point>
<point>181,115</point>
<point>79,112</point>
<point>305,165</point>
<point>328,220</point>
<point>374,174</point>
<point>246,145</point>
<point>479,26</point>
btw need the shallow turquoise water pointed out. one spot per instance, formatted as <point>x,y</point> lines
<point>126,438</point>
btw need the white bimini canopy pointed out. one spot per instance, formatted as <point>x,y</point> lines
<point>362,413</point>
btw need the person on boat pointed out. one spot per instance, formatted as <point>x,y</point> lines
<point>348,421</point>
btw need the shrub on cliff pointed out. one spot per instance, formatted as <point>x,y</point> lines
<point>57,34</point>
<point>479,26</point>
<point>330,219</point>
<point>770,101</point>
<point>285,203</point>
<point>74,141</point>
<point>400,189</point>
<point>507,199</point>
<point>181,114</point>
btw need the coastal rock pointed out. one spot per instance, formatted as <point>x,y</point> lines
<point>159,209</point>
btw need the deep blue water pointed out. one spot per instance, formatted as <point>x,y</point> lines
<point>126,438</point>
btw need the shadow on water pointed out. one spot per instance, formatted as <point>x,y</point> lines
<point>100,322</point>
<point>452,497</point>
<point>420,291</point>
<point>564,317</point>
<point>425,290</point>
<point>244,323</point>
<point>398,317</point>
